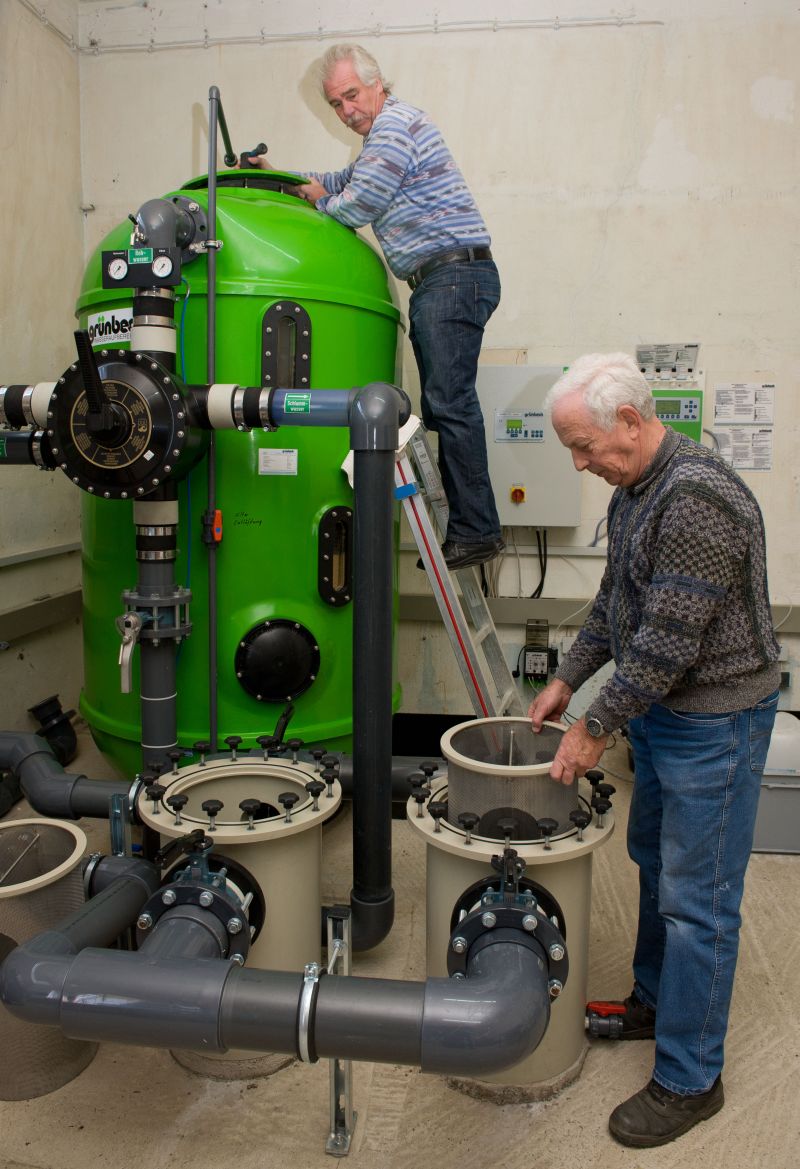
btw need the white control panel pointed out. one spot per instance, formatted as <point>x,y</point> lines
<point>532,474</point>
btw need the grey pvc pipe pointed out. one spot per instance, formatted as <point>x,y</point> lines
<point>33,979</point>
<point>158,669</point>
<point>325,407</point>
<point>475,1026</point>
<point>49,789</point>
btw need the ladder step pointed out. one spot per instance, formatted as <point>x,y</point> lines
<point>508,701</point>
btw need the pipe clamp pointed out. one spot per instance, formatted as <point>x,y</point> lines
<point>305,1012</point>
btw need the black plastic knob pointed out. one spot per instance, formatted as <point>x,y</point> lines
<point>469,822</point>
<point>176,756</point>
<point>429,767</point>
<point>580,818</point>
<point>317,754</point>
<point>547,827</point>
<point>202,748</point>
<point>294,746</point>
<point>595,776</point>
<point>315,789</point>
<point>416,779</point>
<point>266,743</point>
<point>212,809</point>
<point>421,795</point>
<point>602,806</point>
<point>233,742</point>
<point>250,806</point>
<point>437,809</point>
<point>606,790</point>
<point>154,792</point>
<point>287,800</point>
<point>330,761</point>
<point>508,825</point>
<point>177,803</point>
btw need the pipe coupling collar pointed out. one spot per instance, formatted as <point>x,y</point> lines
<point>306,1011</point>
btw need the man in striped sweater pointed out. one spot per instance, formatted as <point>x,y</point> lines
<point>683,611</point>
<point>406,184</point>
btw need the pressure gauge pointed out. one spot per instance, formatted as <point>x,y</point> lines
<point>118,269</point>
<point>162,267</point>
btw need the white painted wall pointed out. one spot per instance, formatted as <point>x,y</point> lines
<point>639,174</point>
<point>41,245</point>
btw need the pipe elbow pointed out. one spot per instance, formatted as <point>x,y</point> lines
<point>376,414</point>
<point>32,977</point>
<point>494,1018</point>
<point>109,869</point>
<point>47,787</point>
<point>371,921</point>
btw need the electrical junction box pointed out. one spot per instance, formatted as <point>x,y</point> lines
<point>532,474</point>
<point>778,820</point>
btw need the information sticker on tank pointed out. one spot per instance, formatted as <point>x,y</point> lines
<point>277,462</point>
<point>297,404</point>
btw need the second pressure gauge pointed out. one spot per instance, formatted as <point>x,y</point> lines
<point>162,267</point>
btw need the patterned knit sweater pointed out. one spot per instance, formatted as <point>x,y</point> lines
<point>683,608</point>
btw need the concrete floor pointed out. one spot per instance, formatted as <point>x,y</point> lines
<point>133,1104</point>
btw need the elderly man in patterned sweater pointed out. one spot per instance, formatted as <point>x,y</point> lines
<point>406,184</point>
<point>683,612</point>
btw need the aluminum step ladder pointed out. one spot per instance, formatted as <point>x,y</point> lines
<point>464,610</point>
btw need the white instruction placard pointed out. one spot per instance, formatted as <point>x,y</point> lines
<point>744,403</point>
<point>746,448</point>
<point>277,462</point>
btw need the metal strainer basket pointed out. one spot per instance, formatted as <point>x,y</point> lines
<point>40,884</point>
<point>498,768</point>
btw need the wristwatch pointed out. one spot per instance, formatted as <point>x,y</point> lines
<point>595,728</point>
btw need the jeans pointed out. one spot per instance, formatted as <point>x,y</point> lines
<point>695,797</point>
<point>447,313</point>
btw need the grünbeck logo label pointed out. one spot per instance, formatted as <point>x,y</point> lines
<point>113,326</point>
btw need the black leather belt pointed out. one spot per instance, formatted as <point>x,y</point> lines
<point>456,256</point>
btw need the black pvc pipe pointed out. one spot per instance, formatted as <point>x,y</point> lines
<point>374,428</point>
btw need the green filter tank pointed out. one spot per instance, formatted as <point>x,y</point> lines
<point>301,302</point>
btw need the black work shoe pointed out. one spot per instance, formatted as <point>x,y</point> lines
<point>656,1116</point>
<point>465,555</point>
<point>629,1019</point>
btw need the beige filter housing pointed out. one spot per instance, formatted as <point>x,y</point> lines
<point>40,884</point>
<point>564,869</point>
<point>284,858</point>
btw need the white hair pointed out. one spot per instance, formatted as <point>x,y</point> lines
<point>366,67</point>
<point>605,382</point>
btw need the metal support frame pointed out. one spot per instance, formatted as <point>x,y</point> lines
<point>343,1118</point>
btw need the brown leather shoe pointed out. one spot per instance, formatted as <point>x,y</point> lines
<point>656,1116</point>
